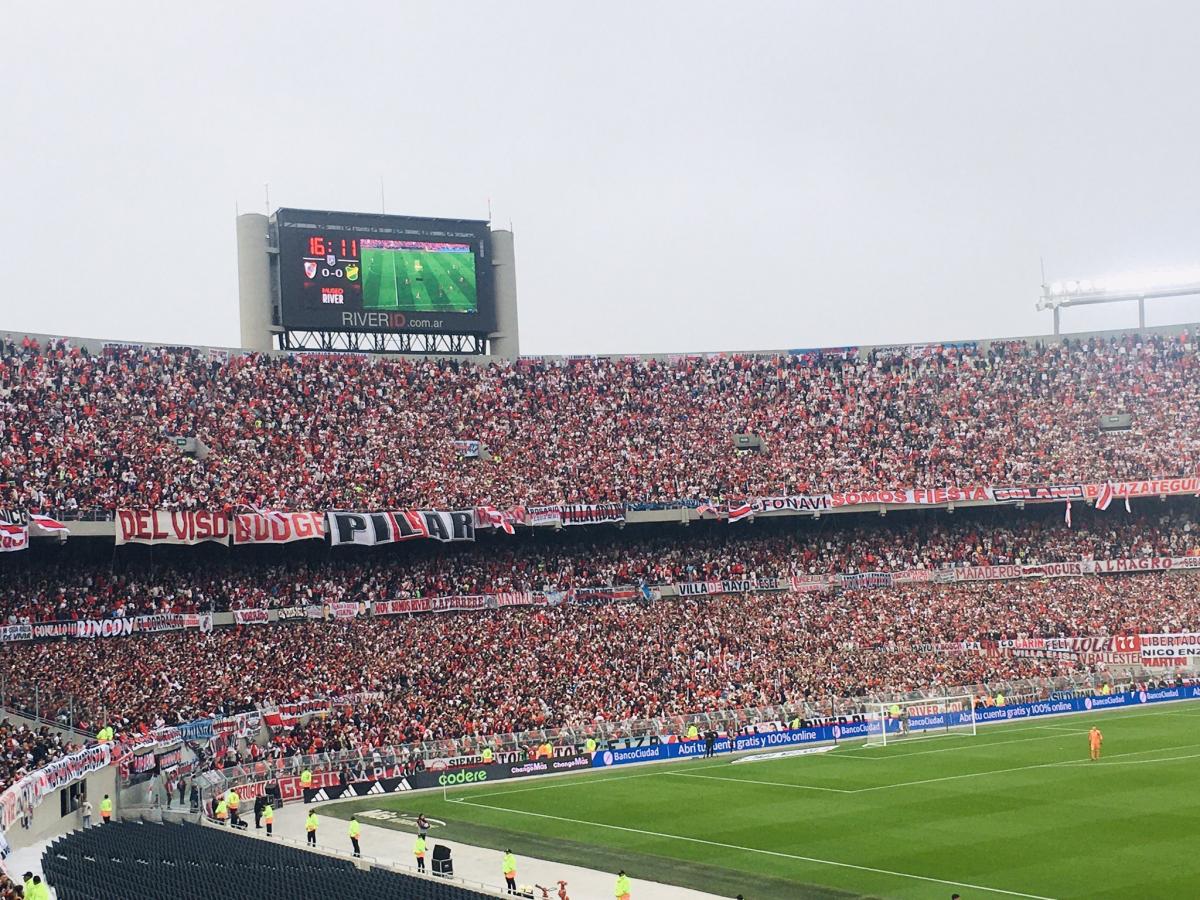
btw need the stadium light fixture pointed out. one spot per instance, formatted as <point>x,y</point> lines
<point>1140,287</point>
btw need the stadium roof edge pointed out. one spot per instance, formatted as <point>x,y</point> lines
<point>94,344</point>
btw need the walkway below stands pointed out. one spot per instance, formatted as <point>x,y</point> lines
<point>474,864</point>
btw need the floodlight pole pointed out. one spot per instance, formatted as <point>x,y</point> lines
<point>1056,302</point>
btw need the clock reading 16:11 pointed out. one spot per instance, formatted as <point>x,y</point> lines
<point>332,258</point>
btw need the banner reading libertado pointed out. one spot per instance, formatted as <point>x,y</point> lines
<point>372,529</point>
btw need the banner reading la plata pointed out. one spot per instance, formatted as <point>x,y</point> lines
<point>370,529</point>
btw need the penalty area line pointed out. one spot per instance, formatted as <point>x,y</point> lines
<point>759,850</point>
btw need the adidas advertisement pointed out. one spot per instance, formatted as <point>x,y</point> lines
<point>419,781</point>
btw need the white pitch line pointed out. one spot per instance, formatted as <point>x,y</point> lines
<point>570,782</point>
<point>1066,728</point>
<point>1051,765</point>
<point>804,787</point>
<point>759,850</point>
<point>1139,762</point>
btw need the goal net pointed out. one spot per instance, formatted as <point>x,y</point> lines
<point>903,720</point>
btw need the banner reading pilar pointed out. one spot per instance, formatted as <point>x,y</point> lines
<point>370,529</point>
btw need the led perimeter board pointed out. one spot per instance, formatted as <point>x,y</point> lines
<point>337,271</point>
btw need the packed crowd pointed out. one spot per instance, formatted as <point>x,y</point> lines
<point>313,432</point>
<point>69,585</point>
<point>443,676</point>
<point>24,749</point>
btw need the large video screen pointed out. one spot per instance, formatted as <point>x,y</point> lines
<point>361,272</point>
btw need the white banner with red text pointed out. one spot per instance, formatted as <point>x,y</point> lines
<point>278,527</point>
<point>171,526</point>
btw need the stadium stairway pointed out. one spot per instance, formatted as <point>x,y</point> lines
<point>136,860</point>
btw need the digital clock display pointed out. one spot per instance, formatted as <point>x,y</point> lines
<point>350,271</point>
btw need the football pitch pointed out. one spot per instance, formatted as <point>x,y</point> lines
<point>1016,811</point>
<point>418,280</point>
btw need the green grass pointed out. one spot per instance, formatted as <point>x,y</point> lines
<point>1017,810</point>
<point>418,280</point>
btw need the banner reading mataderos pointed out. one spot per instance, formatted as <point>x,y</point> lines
<point>171,526</point>
<point>277,527</point>
<point>371,529</point>
<point>1006,572</point>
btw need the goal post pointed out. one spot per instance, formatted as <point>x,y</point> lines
<point>906,720</point>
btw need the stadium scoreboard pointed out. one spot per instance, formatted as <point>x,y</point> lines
<point>339,271</point>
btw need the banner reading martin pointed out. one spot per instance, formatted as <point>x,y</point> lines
<point>370,529</point>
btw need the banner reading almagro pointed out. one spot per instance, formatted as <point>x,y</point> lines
<point>371,529</point>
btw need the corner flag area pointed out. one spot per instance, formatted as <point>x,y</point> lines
<point>1017,811</point>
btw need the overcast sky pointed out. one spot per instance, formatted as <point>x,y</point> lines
<point>678,175</point>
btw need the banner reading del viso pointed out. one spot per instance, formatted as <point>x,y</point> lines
<point>171,526</point>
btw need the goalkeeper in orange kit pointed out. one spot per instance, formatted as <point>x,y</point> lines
<point>1095,739</point>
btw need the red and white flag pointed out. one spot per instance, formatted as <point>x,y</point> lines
<point>708,508</point>
<point>1068,515</point>
<point>494,518</point>
<point>48,524</point>
<point>741,511</point>
<point>274,516</point>
<point>1105,498</point>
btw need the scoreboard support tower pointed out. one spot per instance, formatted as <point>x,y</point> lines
<point>264,318</point>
